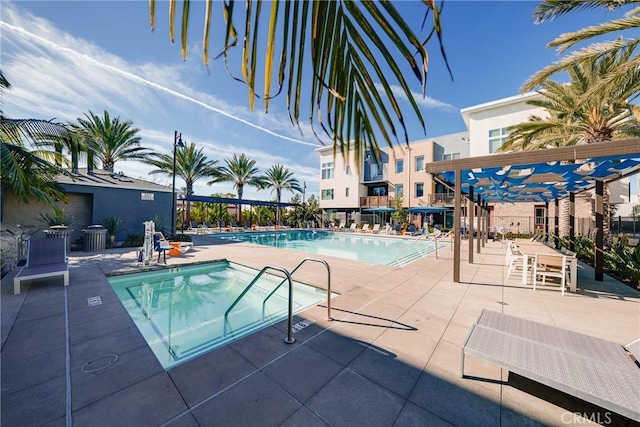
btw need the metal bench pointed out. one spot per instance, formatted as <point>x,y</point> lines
<point>598,371</point>
<point>45,258</point>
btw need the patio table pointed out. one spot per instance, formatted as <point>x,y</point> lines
<point>530,249</point>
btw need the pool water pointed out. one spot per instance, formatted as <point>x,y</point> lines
<point>181,311</point>
<point>375,249</point>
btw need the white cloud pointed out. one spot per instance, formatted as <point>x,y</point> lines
<point>425,101</point>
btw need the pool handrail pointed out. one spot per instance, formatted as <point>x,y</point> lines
<point>289,339</point>
<point>421,236</point>
<point>321,261</point>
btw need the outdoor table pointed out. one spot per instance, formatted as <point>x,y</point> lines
<point>530,249</point>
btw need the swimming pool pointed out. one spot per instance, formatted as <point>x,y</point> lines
<point>181,311</point>
<point>394,251</point>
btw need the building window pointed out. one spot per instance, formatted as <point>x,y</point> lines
<point>451,156</point>
<point>376,170</point>
<point>419,189</point>
<point>327,194</point>
<point>419,163</point>
<point>347,170</point>
<point>346,192</point>
<point>497,137</point>
<point>399,190</point>
<point>327,170</point>
<point>399,165</point>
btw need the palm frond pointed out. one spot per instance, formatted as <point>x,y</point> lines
<point>345,46</point>
<point>549,9</point>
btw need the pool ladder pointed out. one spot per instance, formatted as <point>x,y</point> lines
<point>289,339</point>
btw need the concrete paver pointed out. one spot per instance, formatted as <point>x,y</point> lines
<point>391,356</point>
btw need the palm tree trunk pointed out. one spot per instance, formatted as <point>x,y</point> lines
<point>239,206</point>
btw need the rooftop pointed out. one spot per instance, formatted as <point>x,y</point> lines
<point>390,357</point>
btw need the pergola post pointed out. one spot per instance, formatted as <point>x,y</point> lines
<point>456,225</point>
<point>486,225</point>
<point>572,221</point>
<point>471,208</point>
<point>556,226</point>
<point>480,241</point>
<point>546,219</point>
<point>599,254</point>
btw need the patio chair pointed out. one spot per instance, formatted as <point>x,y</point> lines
<point>592,369</point>
<point>397,229</point>
<point>375,229</point>
<point>45,258</point>
<point>353,228</point>
<point>193,225</point>
<point>161,245</point>
<point>550,265</point>
<point>342,226</point>
<point>364,229</point>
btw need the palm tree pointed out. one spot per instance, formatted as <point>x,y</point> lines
<point>621,76</point>
<point>191,165</point>
<point>30,173</point>
<point>109,139</point>
<point>279,178</point>
<point>575,118</point>
<point>241,171</point>
<point>345,47</point>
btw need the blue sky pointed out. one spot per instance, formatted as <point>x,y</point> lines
<point>65,58</point>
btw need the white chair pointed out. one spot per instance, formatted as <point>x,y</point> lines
<point>375,229</point>
<point>550,265</point>
<point>514,259</point>
<point>364,229</point>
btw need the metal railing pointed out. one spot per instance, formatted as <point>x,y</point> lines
<point>321,261</point>
<point>289,339</point>
<point>415,241</point>
<point>287,278</point>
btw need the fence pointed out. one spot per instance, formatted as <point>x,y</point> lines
<point>626,225</point>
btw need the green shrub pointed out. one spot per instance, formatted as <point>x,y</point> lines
<point>133,240</point>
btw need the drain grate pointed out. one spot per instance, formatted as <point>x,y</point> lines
<point>92,301</point>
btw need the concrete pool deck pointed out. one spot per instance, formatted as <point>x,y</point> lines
<point>390,357</point>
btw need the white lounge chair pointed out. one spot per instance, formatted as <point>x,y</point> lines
<point>353,228</point>
<point>45,258</point>
<point>375,229</point>
<point>365,228</point>
<point>595,370</point>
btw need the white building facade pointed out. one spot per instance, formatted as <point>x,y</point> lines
<point>349,190</point>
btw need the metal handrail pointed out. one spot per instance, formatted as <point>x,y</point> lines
<point>415,241</point>
<point>289,339</point>
<point>321,261</point>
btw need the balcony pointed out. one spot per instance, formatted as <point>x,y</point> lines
<point>376,201</point>
<point>441,198</point>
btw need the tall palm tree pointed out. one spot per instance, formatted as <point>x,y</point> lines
<point>280,178</point>
<point>191,165</point>
<point>622,75</point>
<point>575,118</point>
<point>109,139</point>
<point>241,171</point>
<point>345,48</point>
<point>25,172</point>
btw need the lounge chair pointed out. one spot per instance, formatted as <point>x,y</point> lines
<point>342,226</point>
<point>45,258</point>
<point>193,225</point>
<point>397,229</point>
<point>375,229</point>
<point>598,371</point>
<point>161,245</point>
<point>281,226</point>
<point>364,229</point>
<point>353,227</point>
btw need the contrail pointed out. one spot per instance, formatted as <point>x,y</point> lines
<point>131,76</point>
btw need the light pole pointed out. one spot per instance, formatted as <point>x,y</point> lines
<point>177,142</point>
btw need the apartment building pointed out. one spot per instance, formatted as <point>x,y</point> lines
<point>347,190</point>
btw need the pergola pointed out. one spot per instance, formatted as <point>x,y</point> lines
<point>535,176</point>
